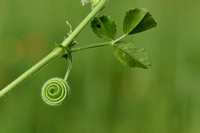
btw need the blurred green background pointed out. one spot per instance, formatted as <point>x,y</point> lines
<point>107,97</point>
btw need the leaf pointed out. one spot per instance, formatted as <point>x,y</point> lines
<point>132,55</point>
<point>138,20</point>
<point>104,27</point>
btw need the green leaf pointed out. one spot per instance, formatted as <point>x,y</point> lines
<point>104,27</point>
<point>132,55</point>
<point>138,20</point>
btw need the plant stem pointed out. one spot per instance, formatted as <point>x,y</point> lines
<point>69,59</point>
<point>55,53</point>
<point>98,45</point>
<point>84,23</point>
<point>90,46</point>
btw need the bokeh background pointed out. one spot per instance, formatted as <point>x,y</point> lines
<point>107,97</point>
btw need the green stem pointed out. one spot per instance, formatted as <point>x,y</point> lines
<point>69,59</point>
<point>84,23</point>
<point>90,46</point>
<point>98,45</point>
<point>55,53</point>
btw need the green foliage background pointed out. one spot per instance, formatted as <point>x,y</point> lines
<point>107,97</point>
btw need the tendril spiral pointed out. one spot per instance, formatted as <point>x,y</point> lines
<point>55,91</point>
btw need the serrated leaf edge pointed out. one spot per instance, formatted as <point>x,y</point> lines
<point>146,11</point>
<point>145,67</point>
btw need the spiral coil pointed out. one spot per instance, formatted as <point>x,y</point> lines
<point>55,91</point>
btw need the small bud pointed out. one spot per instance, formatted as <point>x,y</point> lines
<point>84,2</point>
<point>93,2</point>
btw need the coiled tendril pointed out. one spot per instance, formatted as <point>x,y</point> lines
<point>55,91</point>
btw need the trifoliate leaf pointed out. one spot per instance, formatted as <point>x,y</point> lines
<point>138,20</point>
<point>132,55</point>
<point>104,27</point>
